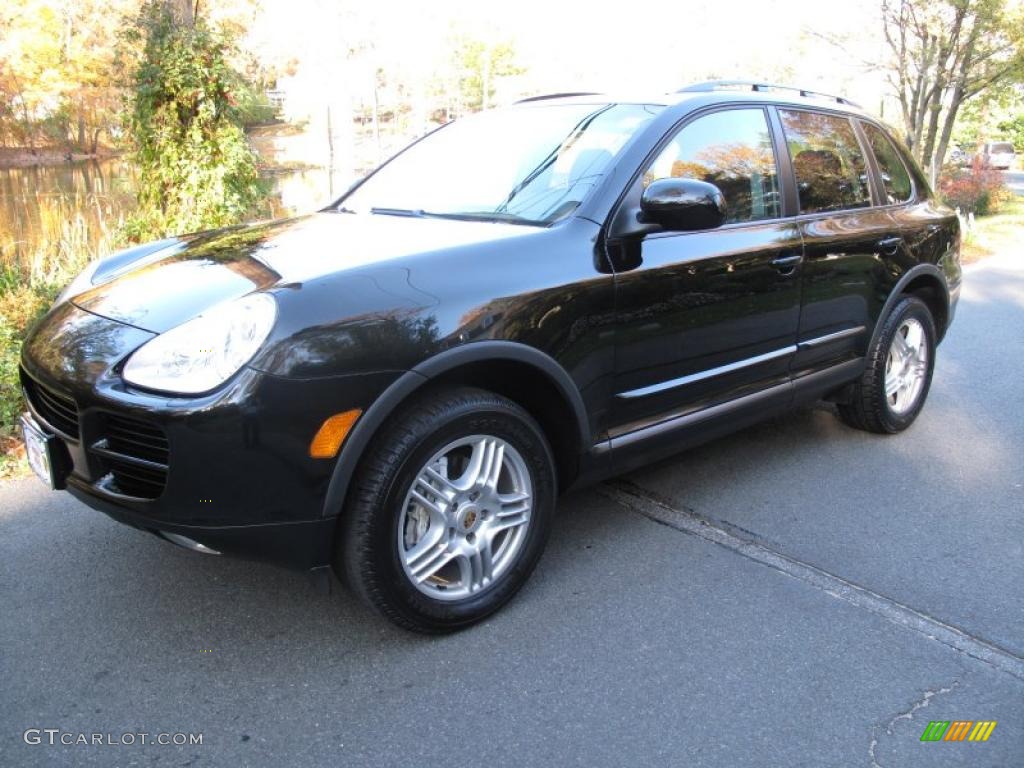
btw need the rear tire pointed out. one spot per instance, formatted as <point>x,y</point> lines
<point>894,386</point>
<point>449,511</point>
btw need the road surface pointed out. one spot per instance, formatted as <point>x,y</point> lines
<point>799,594</point>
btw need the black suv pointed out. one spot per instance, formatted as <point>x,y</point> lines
<point>521,302</point>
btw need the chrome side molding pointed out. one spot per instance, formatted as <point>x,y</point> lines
<point>710,373</point>
<point>817,341</point>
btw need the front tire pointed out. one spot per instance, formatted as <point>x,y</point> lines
<point>894,386</point>
<point>449,511</point>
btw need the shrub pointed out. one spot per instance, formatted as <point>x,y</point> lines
<point>31,306</point>
<point>976,190</point>
<point>196,170</point>
<point>253,106</point>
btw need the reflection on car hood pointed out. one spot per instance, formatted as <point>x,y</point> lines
<point>196,272</point>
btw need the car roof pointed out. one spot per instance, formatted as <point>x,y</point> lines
<point>706,95</point>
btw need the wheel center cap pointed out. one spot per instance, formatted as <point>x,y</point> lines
<point>469,517</point>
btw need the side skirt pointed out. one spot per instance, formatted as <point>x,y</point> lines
<point>677,432</point>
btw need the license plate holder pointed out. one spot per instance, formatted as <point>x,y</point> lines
<point>43,453</point>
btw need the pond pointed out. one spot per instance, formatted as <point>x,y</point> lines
<point>87,201</point>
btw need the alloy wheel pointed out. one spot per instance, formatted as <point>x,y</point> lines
<point>465,517</point>
<point>906,367</point>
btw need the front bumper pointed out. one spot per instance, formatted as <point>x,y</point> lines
<point>232,470</point>
<point>303,545</point>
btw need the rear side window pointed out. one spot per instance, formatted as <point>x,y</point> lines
<point>731,149</point>
<point>895,178</point>
<point>830,171</point>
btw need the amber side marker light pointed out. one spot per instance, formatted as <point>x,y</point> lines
<point>332,434</point>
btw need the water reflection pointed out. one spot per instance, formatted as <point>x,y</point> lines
<point>304,191</point>
<point>37,204</point>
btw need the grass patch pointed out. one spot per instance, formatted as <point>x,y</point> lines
<point>997,233</point>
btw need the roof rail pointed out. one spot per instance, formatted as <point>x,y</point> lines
<point>725,85</point>
<point>557,96</point>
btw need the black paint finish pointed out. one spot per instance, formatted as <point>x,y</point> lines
<point>629,341</point>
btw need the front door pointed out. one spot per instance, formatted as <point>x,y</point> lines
<point>707,317</point>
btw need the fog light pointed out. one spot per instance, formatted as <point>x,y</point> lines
<point>332,434</point>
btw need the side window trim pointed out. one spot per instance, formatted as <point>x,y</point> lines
<point>787,176</point>
<point>876,170</point>
<point>874,174</point>
<point>790,207</point>
<point>868,159</point>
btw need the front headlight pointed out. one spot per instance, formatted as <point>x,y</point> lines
<point>204,352</point>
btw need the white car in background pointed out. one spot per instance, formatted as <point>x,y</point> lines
<point>959,156</point>
<point>997,154</point>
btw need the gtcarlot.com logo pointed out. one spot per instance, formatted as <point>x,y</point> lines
<point>958,730</point>
<point>55,736</point>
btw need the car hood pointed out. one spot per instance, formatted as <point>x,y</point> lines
<point>179,278</point>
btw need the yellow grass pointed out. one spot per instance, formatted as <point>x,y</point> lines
<point>1001,232</point>
<point>31,274</point>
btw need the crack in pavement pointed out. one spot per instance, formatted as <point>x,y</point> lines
<point>643,502</point>
<point>905,715</point>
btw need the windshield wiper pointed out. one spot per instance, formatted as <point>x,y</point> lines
<point>548,161</point>
<point>493,216</point>
<point>413,212</point>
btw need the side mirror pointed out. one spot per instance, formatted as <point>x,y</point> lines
<point>682,205</point>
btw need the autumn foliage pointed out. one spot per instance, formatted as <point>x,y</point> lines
<point>977,189</point>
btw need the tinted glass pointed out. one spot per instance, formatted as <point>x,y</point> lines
<point>827,160</point>
<point>1002,148</point>
<point>895,178</point>
<point>531,165</point>
<point>732,150</point>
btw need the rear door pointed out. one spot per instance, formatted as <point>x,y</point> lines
<point>929,231</point>
<point>705,317</point>
<point>849,241</point>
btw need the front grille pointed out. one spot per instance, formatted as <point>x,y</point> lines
<point>136,455</point>
<point>55,408</point>
<point>136,480</point>
<point>134,437</point>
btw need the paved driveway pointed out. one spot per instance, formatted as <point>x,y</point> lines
<point>1015,181</point>
<point>799,594</point>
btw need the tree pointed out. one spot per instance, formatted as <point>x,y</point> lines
<point>944,53</point>
<point>30,58</point>
<point>196,169</point>
<point>56,61</point>
<point>1013,129</point>
<point>480,65</point>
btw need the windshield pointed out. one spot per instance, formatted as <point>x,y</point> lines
<point>1003,147</point>
<point>529,165</point>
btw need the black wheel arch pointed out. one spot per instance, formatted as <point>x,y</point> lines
<point>485,364</point>
<point>928,283</point>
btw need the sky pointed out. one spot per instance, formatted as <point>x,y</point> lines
<point>331,50</point>
<point>657,45</point>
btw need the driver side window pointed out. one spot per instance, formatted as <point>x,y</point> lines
<point>731,149</point>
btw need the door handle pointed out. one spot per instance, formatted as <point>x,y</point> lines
<point>787,264</point>
<point>890,245</point>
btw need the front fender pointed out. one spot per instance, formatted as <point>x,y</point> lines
<point>413,380</point>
